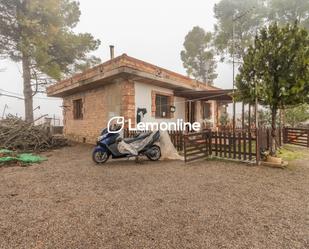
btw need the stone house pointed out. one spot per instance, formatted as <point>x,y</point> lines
<point>128,87</point>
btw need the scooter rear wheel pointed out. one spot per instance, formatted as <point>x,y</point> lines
<point>100,157</point>
<point>154,153</point>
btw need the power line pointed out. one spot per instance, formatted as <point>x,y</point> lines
<point>18,94</point>
<point>21,96</point>
<point>10,96</point>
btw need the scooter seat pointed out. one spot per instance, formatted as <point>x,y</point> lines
<point>139,137</point>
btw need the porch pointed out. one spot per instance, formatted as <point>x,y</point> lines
<point>206,106</point>
<point>242,143</point>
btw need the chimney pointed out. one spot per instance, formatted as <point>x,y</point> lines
<point>111,48</point>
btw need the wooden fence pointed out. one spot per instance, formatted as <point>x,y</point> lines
<point>296,136</point>
<point>242,145</point>
<point>238,145</point>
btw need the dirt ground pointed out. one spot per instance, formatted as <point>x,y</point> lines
<point>68,202</point>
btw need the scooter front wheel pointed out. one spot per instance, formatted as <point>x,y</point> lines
<point>100,157</point>
<point>154,153</point>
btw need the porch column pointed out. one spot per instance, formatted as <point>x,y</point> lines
<point>234,116</point>
<point>190,111</point>
<point>128,101</point>
<point>217,114</point>
<point>249,118</point>
<point>243,116</point>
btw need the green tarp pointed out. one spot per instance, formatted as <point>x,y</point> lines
<point>29,158</point>
<point>10,156</point>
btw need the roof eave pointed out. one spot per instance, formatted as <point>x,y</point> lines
<point>119,73</point>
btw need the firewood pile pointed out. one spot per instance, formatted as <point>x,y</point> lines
<point>16,134</point>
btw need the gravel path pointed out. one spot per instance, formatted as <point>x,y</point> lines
<point>68,202</point>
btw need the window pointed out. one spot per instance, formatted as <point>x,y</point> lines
<point>162,106</point>
<point>206,110</point>
<point>78,109</point>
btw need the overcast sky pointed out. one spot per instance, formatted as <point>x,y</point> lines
<point>153,31</point>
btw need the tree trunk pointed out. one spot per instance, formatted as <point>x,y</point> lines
<point>273,131</point>
<point>27,89</point>
<point>283,117</point>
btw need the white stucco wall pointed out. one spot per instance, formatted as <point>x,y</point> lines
<point>199,112</point>
<point>143,100</point>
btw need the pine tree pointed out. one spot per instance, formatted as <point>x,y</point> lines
<point>39,34</point>
<point>198,55</point>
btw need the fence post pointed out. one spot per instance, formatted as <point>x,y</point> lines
<point>224,143</point>
<point>250,145</point>
<point>257,148</point>
<point>230,144</point>
<point>210,142</point>
<point>239,146</point>
<point>234,145</point>
<point>216,142</point>
<point>181,138</point>
<point>184,147</point>
<point>244,135</point>
<point>280,136</point>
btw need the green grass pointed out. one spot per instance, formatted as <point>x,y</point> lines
<point>290,152</point>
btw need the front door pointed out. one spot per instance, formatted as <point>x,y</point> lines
<point>191,106</point>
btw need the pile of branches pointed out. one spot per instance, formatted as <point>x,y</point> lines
<point>16,134</point>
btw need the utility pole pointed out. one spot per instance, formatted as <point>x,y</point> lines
<point>236,18</point>
<point>257,131</point>
<point>233,51</point>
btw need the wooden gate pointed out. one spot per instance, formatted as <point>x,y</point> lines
<point>196,145</point>
<point>296,136</point>
<point>234,145</point>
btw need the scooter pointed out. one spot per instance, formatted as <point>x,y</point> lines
<point>112,144</point>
